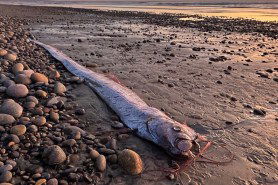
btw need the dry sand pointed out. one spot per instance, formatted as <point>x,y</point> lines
<point>178,71</point>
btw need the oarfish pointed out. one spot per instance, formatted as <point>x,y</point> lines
<point>147,122</point>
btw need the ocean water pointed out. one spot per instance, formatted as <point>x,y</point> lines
<point>263,10</point>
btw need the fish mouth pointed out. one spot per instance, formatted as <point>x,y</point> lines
<point>183,145</point>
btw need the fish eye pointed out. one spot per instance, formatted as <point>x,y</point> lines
<point>184,145</point>
<point>177,128</point>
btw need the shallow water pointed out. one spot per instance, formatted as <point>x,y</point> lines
<point>266,10</point>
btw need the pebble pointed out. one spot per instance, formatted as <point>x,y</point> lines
<point>8,82</point>
<point>6,176</point>
<point>18,130</point>
<point>33,128</point>
<point>54,116</point>
<point>130,161</point>
<point>41,93</point>
<point>259,112</point>
<point>94,154</point>
<point>3,52</point>
<point>32,99</point>
<point>11,57</point>
<point>52,181</point>
<point>54,74</point>
<point>101,163</point>
<point>39,121</point>
<point>27,72</point>
<point>17,68</point>
<point>80,111</point>
<point>6,119</point>
<point>59,88</point>
<point>22,79</point>
<point>39,77</point>
<point>69,143</point>
<point>117,125</point>
<point>41,182</point>
<point>54,155</point>
<point>12,108</point>
<point>17,91</point>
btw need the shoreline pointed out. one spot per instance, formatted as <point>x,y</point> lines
<point>218,81</point>
<point>208,23</point>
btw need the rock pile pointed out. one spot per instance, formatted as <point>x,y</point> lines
<point>42,139</point>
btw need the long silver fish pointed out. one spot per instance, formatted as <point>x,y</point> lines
<point>147,122</point>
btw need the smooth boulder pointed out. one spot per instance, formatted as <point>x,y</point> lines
<point>17,91</point>
<point>12,108</point>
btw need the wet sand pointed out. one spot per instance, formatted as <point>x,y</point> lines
<point>212,80</point>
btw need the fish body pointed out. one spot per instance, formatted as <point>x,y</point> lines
<point>147,122</point>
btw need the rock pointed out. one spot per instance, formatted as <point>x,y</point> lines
<point>17,68</point>
<point>39,77</point>
<point>55,100</point>
<point>73,129</point>
<point>3,89</point>
<point>54,74</point>
<point>10,57</point>
<point>33,128</point>
<point>41,93</point>
<point>59,88</point>
<point>54,116</point>
<point>41,182</point>
<point>131,162</point>
<point>54,155</point>
<point>52,181</point>
<point>17,91</point>
<point>101,163</point>
<point>259,112</point>
<point>18,130</point>
<point>32,99</point>
<point>22,79</point>
<point>3,52</point>
<point>6,176</point>
<point>117,125</point>
<point>39,121</point>
<point>94,154</point>
<point>8,83</point>
<point>28,72</point>
<point>12,108</point>
<point>80,111</point>
<point>113,159</point>
<point>6,119</point>
<point>69,143</point>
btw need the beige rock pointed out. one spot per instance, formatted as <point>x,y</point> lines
<point>101,163</point>
<point>41,182</point>
<point>39,77</point>
<point>131,162</point>
<point>10,57</point>
<point>18,68</point>
<point>18,130</point>
<point>3,52</point>
<point>39,121</point>
<point>59,88</point>
<point>41,93</point>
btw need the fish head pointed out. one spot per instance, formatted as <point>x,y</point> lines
<point>182,140</point>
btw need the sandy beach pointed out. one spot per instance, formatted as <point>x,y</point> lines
<point>218,76</point>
